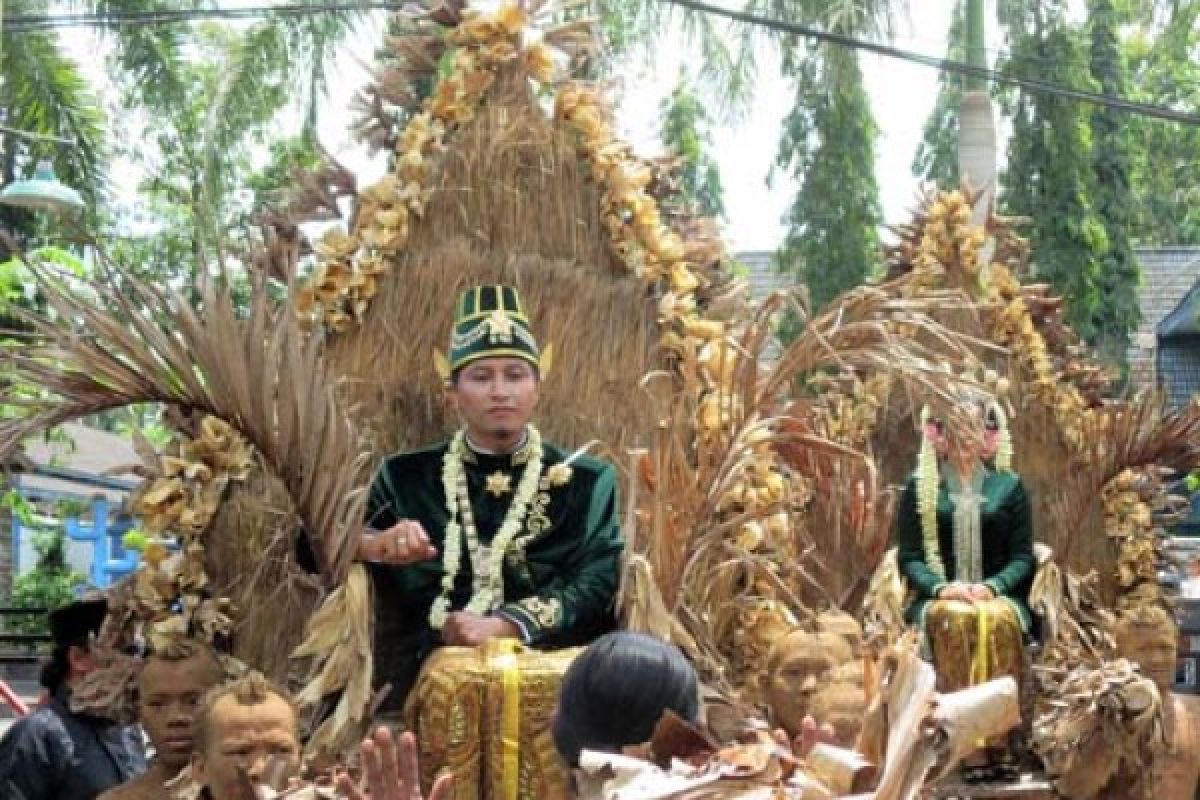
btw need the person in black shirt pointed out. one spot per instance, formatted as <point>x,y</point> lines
<point>56,753</point>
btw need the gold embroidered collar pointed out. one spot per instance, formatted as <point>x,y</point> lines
<point>470,453</point>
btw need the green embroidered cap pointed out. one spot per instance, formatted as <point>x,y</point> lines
<point>490,322</point>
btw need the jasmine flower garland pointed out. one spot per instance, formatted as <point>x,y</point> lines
<point>487,563</point>
<point>1004,450</point>
<point>927,498</point>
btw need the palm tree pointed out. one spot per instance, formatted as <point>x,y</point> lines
<point>977,127</point>
<point>256,73</point>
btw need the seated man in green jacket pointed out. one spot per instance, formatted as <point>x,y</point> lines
<point>496,532</point>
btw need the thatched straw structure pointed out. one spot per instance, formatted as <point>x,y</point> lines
<point>512,203</point>
<point>493,190</point>
<point>1072,432</point>
<point>1040,456</point>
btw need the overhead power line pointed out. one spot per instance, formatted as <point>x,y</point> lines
<point>960,67</point>
<point>24,23</point>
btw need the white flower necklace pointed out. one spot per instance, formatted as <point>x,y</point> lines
<point>487,563</point>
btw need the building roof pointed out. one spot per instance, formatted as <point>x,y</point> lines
<point>88,450</point>
<point>763,277</point>
<point>1182,321</point>
<point>1168,274</point>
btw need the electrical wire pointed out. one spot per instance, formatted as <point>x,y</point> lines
<point>24,23</point>
<point>30,22</point>
<point>960,67</point>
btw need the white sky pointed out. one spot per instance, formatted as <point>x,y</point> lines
<point>902,95</point>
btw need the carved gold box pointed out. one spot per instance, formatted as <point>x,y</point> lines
<point>484,714</point>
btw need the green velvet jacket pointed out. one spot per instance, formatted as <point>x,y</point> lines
<point>1007,540</point>
<point>559,586</point>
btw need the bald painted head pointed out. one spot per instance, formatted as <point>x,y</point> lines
<point>241,726</point>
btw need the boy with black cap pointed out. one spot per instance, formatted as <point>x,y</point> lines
<point>56,753</point>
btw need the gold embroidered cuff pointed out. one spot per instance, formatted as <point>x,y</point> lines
<point>536,614</point>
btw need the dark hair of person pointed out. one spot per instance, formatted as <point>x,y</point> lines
<point>55,671</point>
<point>618,689</point>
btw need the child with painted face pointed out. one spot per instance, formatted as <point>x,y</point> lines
<point>170,686</point>
<point>249,726</point>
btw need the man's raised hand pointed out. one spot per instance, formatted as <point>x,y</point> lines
<point>406,542</point>
<point>391,770</point>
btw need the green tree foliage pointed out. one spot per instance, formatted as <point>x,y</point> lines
<point>1119,312</point>
<point>827,145</point>
<point>936,160</point>
<point>832,238</point>
<point>1049,175</point>
<point>684,130</point>
<point>224,95</point>
<point>50,584</point>
<point>208,99</point>
<point>18,288</point>
<point>1163,51</point>
<point>18,295</point>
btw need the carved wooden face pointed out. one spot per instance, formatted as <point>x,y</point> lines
<point>1150,638</point>
<point>843,624</point>
<point>841,705</point>
<point>796,667</point>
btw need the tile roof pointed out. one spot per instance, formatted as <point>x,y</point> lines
<point>762,276</point>
<point>1168,274</point>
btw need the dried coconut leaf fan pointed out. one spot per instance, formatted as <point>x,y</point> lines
<point>132,343</point>
<point>135,343</point>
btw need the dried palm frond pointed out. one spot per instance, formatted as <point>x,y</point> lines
<point>316,193</point>
<point>1101,721</point>
<point>136,343</point>
<point>644,609</point>
<point>338,644</point>
<point>1144,433</point>
<point>279,249</point>
<point>109,691</point>
<point>1076,628</point>
<point>406,67</point>
<point>736,468</point>
<point>883,608</point>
